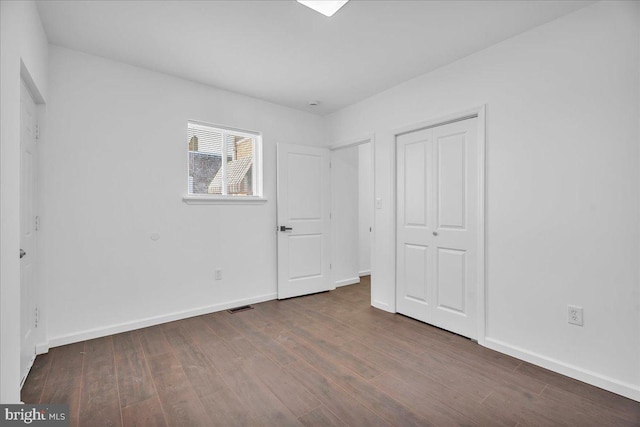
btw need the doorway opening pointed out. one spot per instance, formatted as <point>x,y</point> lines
<point>352,212</point>
<point>325,216</point>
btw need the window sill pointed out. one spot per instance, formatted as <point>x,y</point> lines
<point>223,200</point>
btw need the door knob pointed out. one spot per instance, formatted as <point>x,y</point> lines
<point>22,253</point>
<point>435,233</point>
<point>284,228</point>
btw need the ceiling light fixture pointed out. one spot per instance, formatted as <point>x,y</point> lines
<point>325,7</point>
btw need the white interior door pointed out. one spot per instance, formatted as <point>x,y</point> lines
<point>303,220</point>
<point>28,247</point>
<point>437,232</point>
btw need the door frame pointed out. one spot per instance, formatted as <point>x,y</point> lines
<point>354,142</point>
<point>480,113</point>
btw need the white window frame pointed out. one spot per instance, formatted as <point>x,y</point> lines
<point>257,172</point>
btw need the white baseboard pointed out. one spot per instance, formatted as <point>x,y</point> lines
<point>349,281</point>
<point>24,379</point>
<point>42,348</point>
<point>615,386</point>
<point>364,273</point>
<point>151,321</point>
<point>381,305</point>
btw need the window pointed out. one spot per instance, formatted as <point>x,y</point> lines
<point>224,164</point>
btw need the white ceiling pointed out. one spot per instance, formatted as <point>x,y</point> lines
<point>286,53</point>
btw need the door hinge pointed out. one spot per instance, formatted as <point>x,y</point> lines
<point>329,165</point>
<point>37,225</point>
<point>37,131</point>
<point>330,267</point>
<point>36,317</point>
<point>330,215</point>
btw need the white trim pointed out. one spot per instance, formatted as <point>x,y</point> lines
<point>42,348</point>
<point>382,306</point>
<point>478,111</point>
<point>154,320</point>
<point>393,198</point>
<point>364,273</point>
<point>208,126</point>
<point>482,221</point>
<point>34,91</point>
<point>437,121</point>
<point>24,379</point>
<point>373,221</point>
<point>191,199</point>
<point>610,384</point>
<point>352,142</point>
<point>345,282</point>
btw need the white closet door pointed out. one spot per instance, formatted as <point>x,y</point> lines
<point>437,226</point>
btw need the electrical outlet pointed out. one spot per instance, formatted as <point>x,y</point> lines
<point>218,274</point>
<point>575,315</point>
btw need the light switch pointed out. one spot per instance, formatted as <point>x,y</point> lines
<point>378,202</point>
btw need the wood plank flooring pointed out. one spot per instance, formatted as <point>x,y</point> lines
<point>322,360</point>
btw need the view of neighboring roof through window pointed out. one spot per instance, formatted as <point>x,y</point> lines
<point>223,162</point>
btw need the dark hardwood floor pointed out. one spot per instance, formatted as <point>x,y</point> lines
<point>324,360</point>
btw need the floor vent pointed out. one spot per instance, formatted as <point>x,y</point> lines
<point>239,309</point>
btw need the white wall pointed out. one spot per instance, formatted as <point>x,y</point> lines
<point>562,187</point>
<point>344,215</point>
<point>365,207</point>
<point>115,171</point>
<point>22,40</point>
